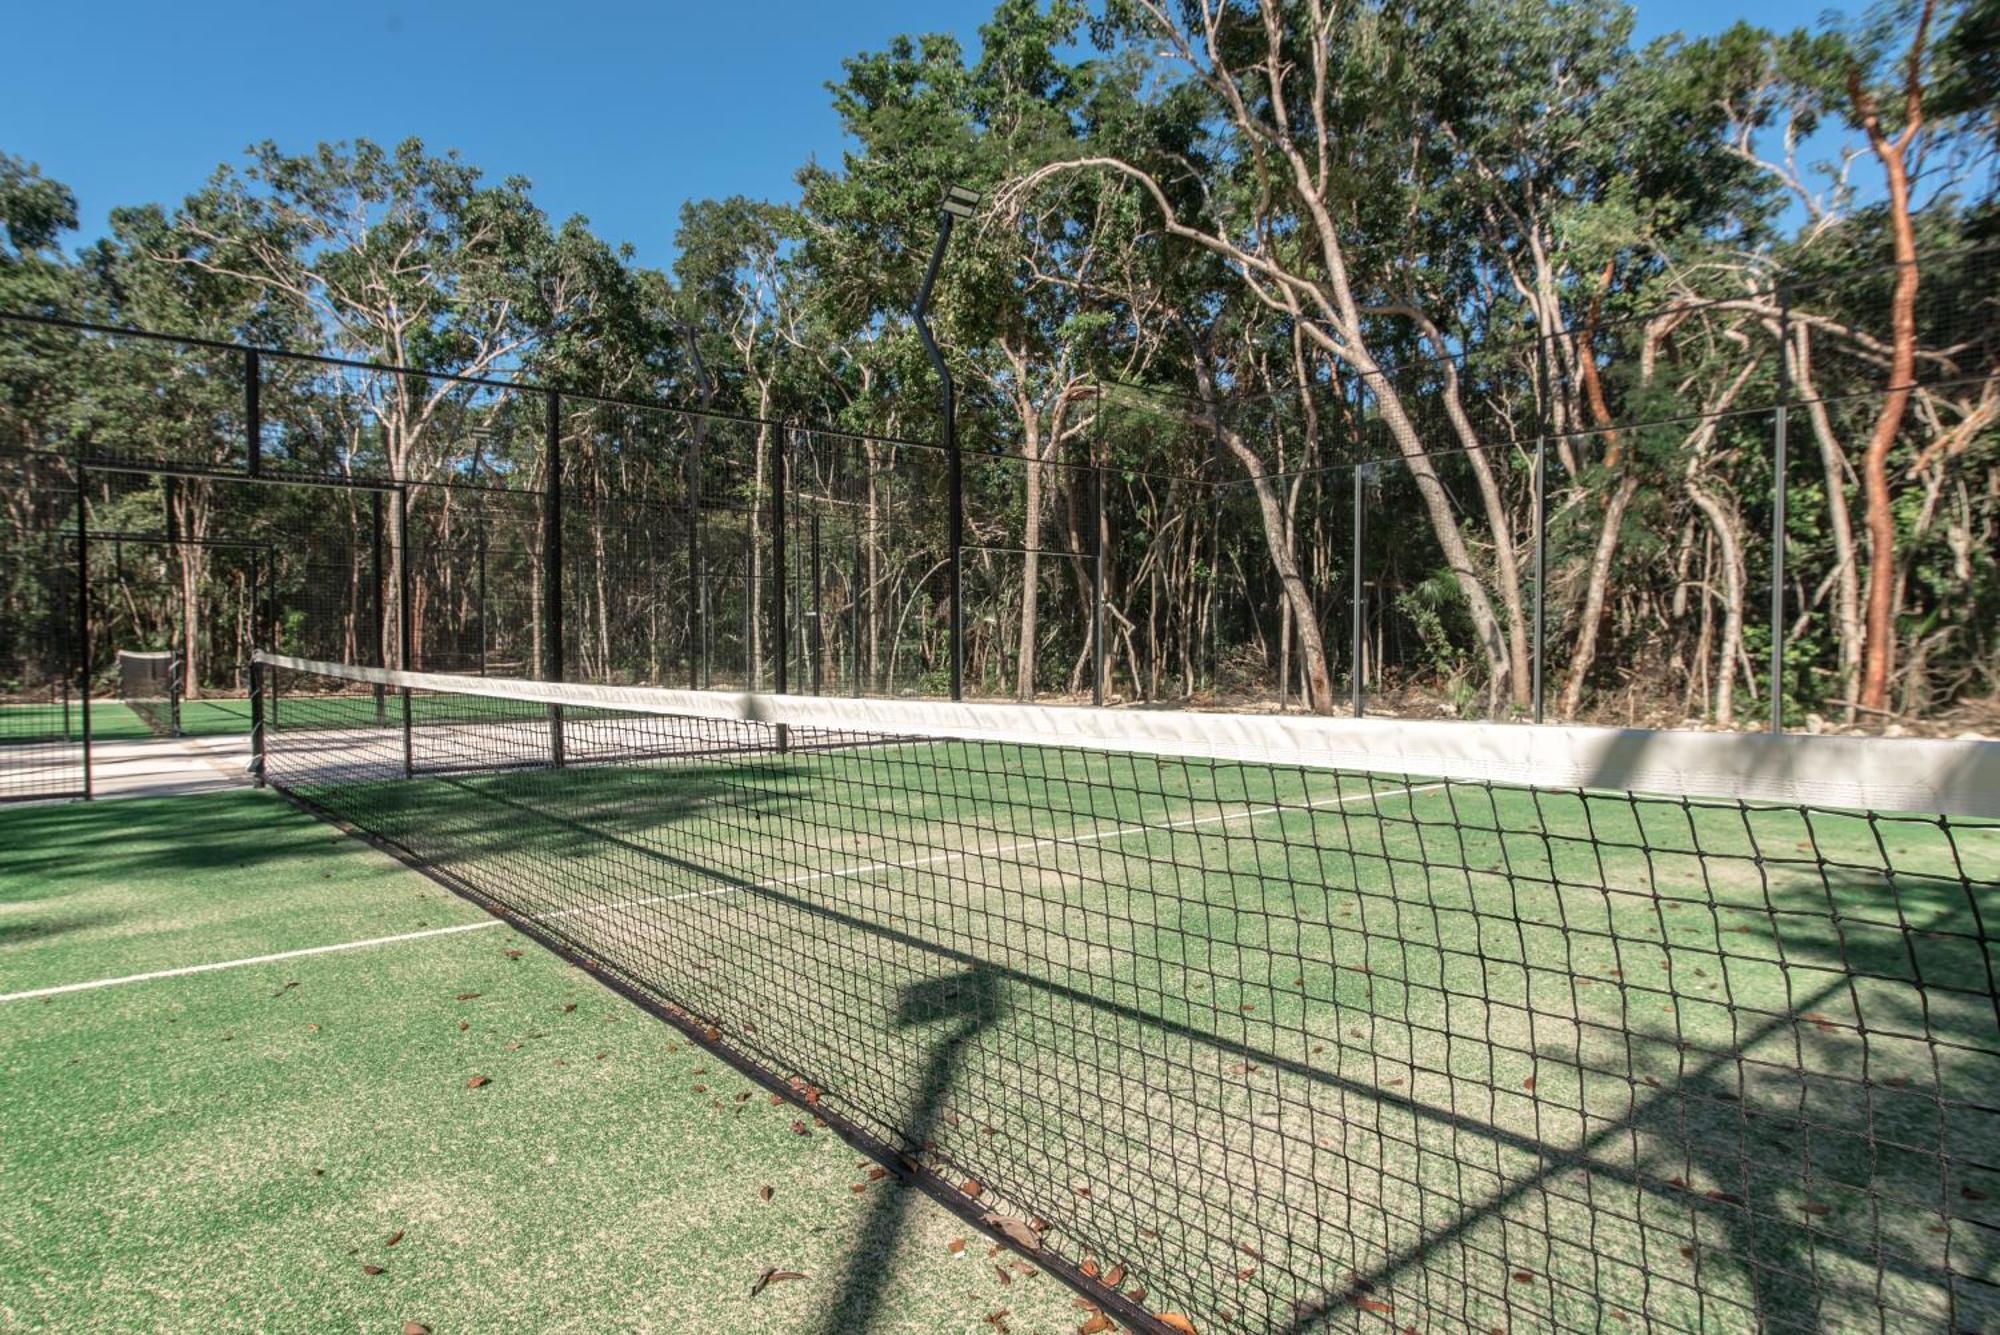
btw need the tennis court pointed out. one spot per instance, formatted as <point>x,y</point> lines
<point>238,1094</point>
<point>1277,1045</point>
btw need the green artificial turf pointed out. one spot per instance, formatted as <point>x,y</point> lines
<point>109,721</point>
<point>231,1150</point>
<point>1265,1036</point>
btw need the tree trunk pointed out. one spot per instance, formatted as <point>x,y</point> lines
<point>1840,523</point>
<point>1879,653</point>
<point>1031,561</point>
<point>1723,521</point>
<point>1594,591</point>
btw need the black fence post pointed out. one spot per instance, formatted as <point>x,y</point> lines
<point>405,632</point>
<point>780,627</point>
<point>1779,473</point>
<point>552,575</point>
<point>1097,658</point>
<point>1356,596</point>
<point>263,621</point>
<point>253,412</point>
<point>1541,512</point>
<point>955,481</point>
<point>378,589</point>
<point>697,582</point>
<point>83,623</point>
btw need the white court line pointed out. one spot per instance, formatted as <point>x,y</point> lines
<point>805,878</point>
<point>184,970</point>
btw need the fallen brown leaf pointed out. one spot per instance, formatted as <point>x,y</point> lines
<point>955,1246</point>
<point>371,1269</point>
<point>773,1276</point>
<point>467,996</point>
<point>1020,1233</point>
<point>415,1328</point>
<point>393,1238</point>
<point>477,1081</point>
<point>1096,1325</point>
<point>1175,1321</point>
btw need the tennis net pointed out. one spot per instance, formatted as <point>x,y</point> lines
<point>1280,1024</point>
<point>149,684</point>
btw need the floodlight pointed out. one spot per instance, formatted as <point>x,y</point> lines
<point>960,202</point>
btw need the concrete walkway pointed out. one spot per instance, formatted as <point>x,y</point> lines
<point>167,767</point>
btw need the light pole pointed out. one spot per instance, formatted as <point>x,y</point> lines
<point>959,202</point>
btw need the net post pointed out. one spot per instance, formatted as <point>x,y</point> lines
<point>552,574</point>
<point>1779,472</point>
<point>1541,513</point>
<point>83,625</point>
<point>256,721</point>
<point>253,412</point>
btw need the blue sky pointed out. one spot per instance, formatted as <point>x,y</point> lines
<point>616,111</point>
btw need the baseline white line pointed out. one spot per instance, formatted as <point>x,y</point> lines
<point>184,970</point>
<point>805,878</point>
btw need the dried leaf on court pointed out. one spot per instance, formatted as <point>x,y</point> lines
<point>763,1193</point>
<point>1018,1231</point>
<point>1006,1276</point>
<point>393,1238</point>
<point>773,1276</point>
<point>371,1269</point>
<point>477,1081</point>
<point>415,1328</point>
<point>1176,1322</point>
<point>1096,1325</point>
<point>467,996</point>
<point>971,1188</point>
<point>955,1246</point>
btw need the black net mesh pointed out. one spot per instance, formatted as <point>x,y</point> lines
<point>1278,1045</point>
